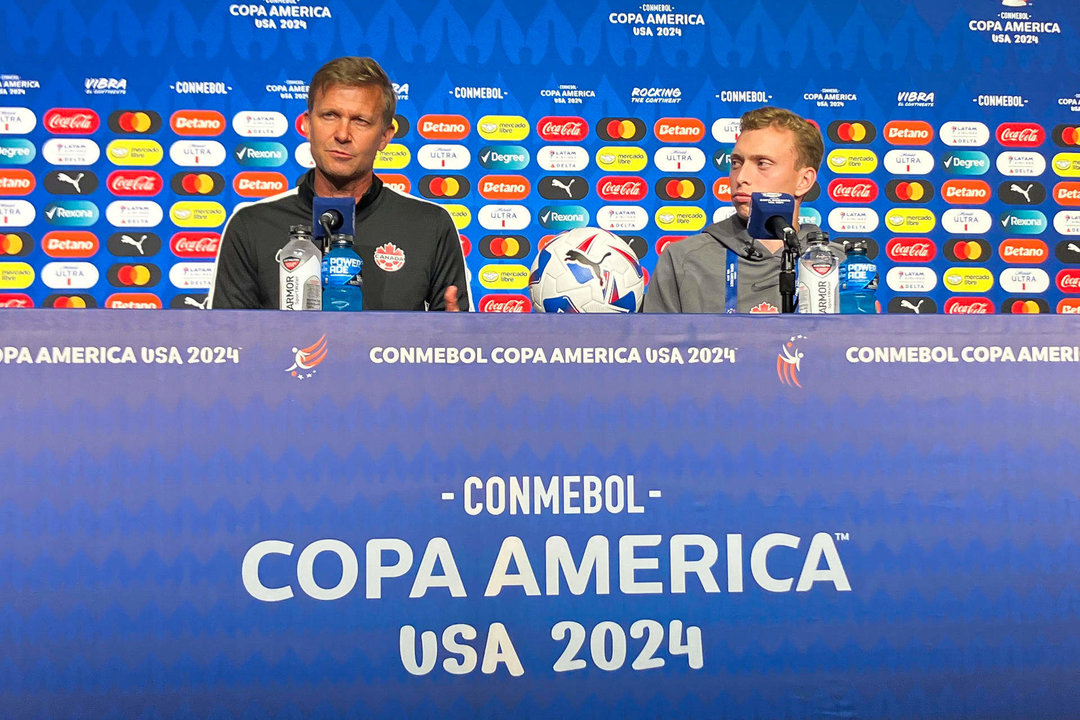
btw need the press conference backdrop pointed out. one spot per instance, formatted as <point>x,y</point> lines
<point>129,131</point>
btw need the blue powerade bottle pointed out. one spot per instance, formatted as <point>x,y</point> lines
<point>343,286</point>
<point>858,281</point>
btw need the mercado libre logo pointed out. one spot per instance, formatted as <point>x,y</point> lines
<point>306,359</point>
<point>789,362</point>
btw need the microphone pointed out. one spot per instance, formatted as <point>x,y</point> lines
<point>772,216</point>
<point>332,216</point>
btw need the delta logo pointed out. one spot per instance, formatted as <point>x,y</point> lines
<point>908,132</point>
<point>679,189</point>
<point>71,121</point>
<point>134,122</point>
<point>1023,163</point>
<point>620,129</point>
<point>965,250</point>
<point>448,187</point>
<point>443,127</point>
<point>1020,134</point>
<point>911,250</point>
<point>137,275</point>
<point>396,182</point>
<point>969,306</point>
<point>851,190</point>
<point>622,189</point>
<point>965,192</point>
<point>133,301</point>
<point>197,123</point>
<point>16,244</point>
<point>562,129</point>
<point>852,132</point>
<point>1066,135</point>
<point>722,189</point>
<point>505,247</point>
<point>249,184</point>
<point>1025,251</point>
<point>195,245</point>
<point>677,130</point>
<point>504,187</point>
<point>505,303</point>
<point>134,183</point>
<point>16,182</point>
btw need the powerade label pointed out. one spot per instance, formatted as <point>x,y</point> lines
<point>341,270</point>
<point>857,276</point>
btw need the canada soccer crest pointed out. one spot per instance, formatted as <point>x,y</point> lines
<point>390,257</point>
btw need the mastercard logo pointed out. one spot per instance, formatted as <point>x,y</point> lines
<point>909,191</point>
<point>401,126</point>
<point>857,132</point>
<point>134,122</point>
<point>1066,135</point>
<point>1024,306</point>
<point>1023,250</point>
<point>451,187</point>
<point>140,275</point>
<point>70,302</point>
<point>963,250</point>
<point>133,301</point>
<point>620,129</point>
<point>15,244</point>
<point>681,189</point>
<point>504,247</point>
<point>197,123</point>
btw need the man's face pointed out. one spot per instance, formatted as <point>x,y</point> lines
<point>345,126</point>
<point>765,160</point>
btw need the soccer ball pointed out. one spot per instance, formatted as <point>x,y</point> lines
<point>586,270</point>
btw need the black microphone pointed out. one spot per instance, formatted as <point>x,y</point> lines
<point>772,216</point>
<point>331,221</point>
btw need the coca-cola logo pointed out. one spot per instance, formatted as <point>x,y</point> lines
<point>195,244</point>
<point>71,121</point>
<point>505,304</point>
<point>563,129</point>
<point>969,306</point>
<point>622,188</point>
<point>911,250</point>
<point>139,183</point>
<point>1068,280</point>
<point>15,300</point>
<point>853,190</point>
<point>1020,134</point>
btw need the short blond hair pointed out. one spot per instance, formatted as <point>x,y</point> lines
<point>354,72</point>
<point>809,147</point>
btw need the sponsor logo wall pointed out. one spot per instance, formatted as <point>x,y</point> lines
<point>528,122</point>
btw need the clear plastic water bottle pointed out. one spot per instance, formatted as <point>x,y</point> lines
<point>819,279</point>
<point>858,281</point>
<point>342,284</point>
<point>299,271</point>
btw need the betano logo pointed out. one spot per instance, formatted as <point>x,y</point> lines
<point>621,159</point>
<point>133,301</point>
<point>504,187</point>
<point>443,127</point>
<point>1025,251</point>
<point>197,123</point>
<point>789,362</point>
<point>17,182</point>
<point>965,192</point>
<point>396,182</point>
<point>679,130</point>
<point>134,152</point>
<point>191,213</point>
<point>505,128</point>
<point>852,162</point>
<point>908,132</point>
<point>722,189</point>
<point>1067,193</point>
<point>307,359</point>
<point>78,244</point>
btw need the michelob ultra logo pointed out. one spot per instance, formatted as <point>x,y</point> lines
<point>459,214</point>
<point>204,123</point>
<point>676,130</point>
<point>17,120</point>
<point>678,218</point>
<point>1024,280</point>
<point>16,151</point>
<point>69,275</point>
<point>195,213</point>
<point>968,279</point>
<point>965,192</point>
<point>909,162</point>
<point>510,128</point>
<point>621,159</point>
<point>503,157</point>
<point>504,217</point>
<point>261,154</point>
<point>1066,164</point>
<point>504,277</point>
<point>679,159</point>
<point>908,132</point>
<point>1025,251</point>
<point>726,130</point>
<point>443,158</point>
<point>16,213</point>
<point>562,217</point>
<point>1023,222</point>
<point>131,152</point>
<point>964,221</point>
<point>72,213</point>
<point>443,127</point>
<point>965,162</point>
<point>16,275</point>
<point>849,161</point>
<point>394,156</point>
<point>197,153</point>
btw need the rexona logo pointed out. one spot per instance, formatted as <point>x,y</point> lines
<point>71,151</point>
<point>1066,135</point>
<point>1067,164</point>
<point>188,213</point>
<point>71,121</point>
<point>197,123</point>
<point>964,250</point>
<point>968,280</point>
<point>1024,280</point>
<point>969,306</point>
<point>504,277</point>
<point>963,221</point>
<point>72,213</point>
<point>195,245</point>
<point>616,188</point>
<point>394,156</point>
<point>504,217</point>
<point>16,151</point>
<point>70,244</point>
<point>15,244</point>
<point>1067,222</point>
<point>137,183</point>
<point>855,132</point>
<point>679,159</point>
<point>562,129</point>
<point>678,130</point>
<point>140,275</point>
<point>910,220</point>
<point>134,122</point>
<point>563,187</point>
<point>1021,134</point>
<point>505,304</point>
<point>965,162</point>
<point>1026,251</point>
<point>621,159</point>
<point>134,152</point>
<point>679,189</point>
<point>512,128</point>
<point>16,276</point>
<point>909,191</point>
<point>133,301</point>
<point>134,244</point>
<point>451,187</point>
<point>197,153</point>
<point>1026,164</point>
<point>722,159</point>
<point>261,154</point>
<point>909,162</point>
<point>260,123</point>
<point>911,250</point>
<point>557,158</point>
<point>504,247</point>
<point>1021,192</point>
<point>851,190</point>
<point>443,127</point>
<point>678,218</point>
<point>17,120</point>
<point>620,129</point>
<point>965,192</point>
<point>1068,280</point>
<point>16,182</point>
<point>562,217</point>
<point>504,187</point>
<point>908,132</point>
<point>852,162</point>
<point>503,157</point>
<point>1024,222</point>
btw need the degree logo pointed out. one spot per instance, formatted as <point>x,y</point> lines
<point>846,161</point>
<point>504,247</point>
<point>965,162</point>
<point>17,182</point>
<point>562,129</point>
<point>133,244</point>
<point>967,280</point>
<point>964,250</point>
<point>504,187</point>
<point>197,123</point>
<point>503,157</point>
<point>15,244</point>
<point>621,159</point>
<point>1025,306</point>
<point>620,129</point>
<point>394,156</point>
<point>249,183</point>
<point>1026,251</point>
<point>1066,135</point>
<point>16,151</point>
<point>505,128</point>
<point>77,301</point>
<point>261,154</point>
<point>139,183</point>
<point>188,213</point>
<point>71,121</point>
<point>1020,134</point>
<point>1067,164</point>
<point>450,187</point>
<point>1022,192</point>
<point>134,122</point>
<point>679,218</point>
<point>72,213</point>
<point>789,362</point>
<point>852,132</point>
<point>197,153</point>
<point>134,152</point>
<point>679,130</point>
<point>122,275</point>
<point>78,244</point>
<point>443,127</point>
<point>908,132</point>
<point>681,189</point>
<point>306,359</point>
<point>965,192</point>
<point>1024,280</point>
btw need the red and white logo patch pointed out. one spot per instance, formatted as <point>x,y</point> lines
<point>390,257</point>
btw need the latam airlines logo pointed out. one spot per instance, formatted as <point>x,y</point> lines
<point>853,220</point>
<point>134,213</point>
<point>562,158</point>
<point>73,151</point>
<point>135,122</point>
<point>199,123</point>
<point>72,213</point>
<point>562,129</point>
<point>443,127</point>
<point>260,123</point>
<point>622,218</point>
<point>71,121</point>
<point>1025,164</point>
<point>964,134</point>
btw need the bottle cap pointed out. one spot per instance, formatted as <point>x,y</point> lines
<point>339,239</point>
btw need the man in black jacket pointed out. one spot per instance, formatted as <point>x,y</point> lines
<point>411,251</point>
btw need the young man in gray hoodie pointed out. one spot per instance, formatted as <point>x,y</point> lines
<point>723,269</point>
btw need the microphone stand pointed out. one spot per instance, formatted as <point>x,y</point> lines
<point>788,259</point>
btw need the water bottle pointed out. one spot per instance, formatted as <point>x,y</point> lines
<point>299,272</point>
<point>858,281</point>
<point>819,278</point>
<point>342,285</point>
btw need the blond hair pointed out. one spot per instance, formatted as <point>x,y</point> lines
<point>354,72</point>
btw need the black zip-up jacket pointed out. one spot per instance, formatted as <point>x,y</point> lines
<point>390,228</point>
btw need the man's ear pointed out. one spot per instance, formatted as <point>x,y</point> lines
<point>807,177</point>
